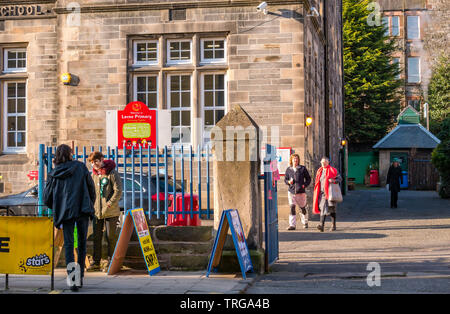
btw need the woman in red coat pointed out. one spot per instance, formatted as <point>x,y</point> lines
<point>321,203</point>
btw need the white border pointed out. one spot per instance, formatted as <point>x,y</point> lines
<point>176,62</point>
<point>157,88</point>
<point>181,108</point>
<point>203,60</point>
<point>142,63</point>
<point>6,148</point>
<point>5,60</point>
<point>202,100</point>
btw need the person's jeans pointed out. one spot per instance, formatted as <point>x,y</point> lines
<point>82,229</point>
<point>111,226</point>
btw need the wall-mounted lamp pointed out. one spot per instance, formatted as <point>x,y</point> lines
<point>66,78</point>
<point>69,79</point>
<point>308,121</point>
<point>343,142</point>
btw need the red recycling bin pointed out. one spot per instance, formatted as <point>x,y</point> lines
<point>178,220</point>
<point>374,178</point>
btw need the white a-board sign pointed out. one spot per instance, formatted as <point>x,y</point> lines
<point>230,220</point>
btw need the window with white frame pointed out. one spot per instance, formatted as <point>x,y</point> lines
<point>15,60</point>
<point>213,101</point>
<point>179,102</point>
<point>145,52</point>
<point>146,90</point>
<point>395,25</point>
<point>413,28</point>
<point>413,70</point>
<point>179,51</point>
<point>14,114</point>
<point>213,50</point>
<point>385,21</point>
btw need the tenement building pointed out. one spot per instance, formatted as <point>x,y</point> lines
<point>195,58</point>
<point>420,29</point>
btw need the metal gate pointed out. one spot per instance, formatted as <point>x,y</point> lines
<point>270,209</point>
<point>150,179</point>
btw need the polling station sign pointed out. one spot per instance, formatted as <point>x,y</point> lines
<point>26,245</point>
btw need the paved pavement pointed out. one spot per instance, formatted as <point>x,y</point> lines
<point>132,282</point>
<point>410,245</point>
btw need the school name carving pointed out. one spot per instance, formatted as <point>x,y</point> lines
<point>21,10</point>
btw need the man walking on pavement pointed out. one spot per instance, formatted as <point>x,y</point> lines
<point>108,189</point>
<point>394,178</point>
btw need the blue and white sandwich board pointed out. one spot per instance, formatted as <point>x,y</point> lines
<point>230,220</point>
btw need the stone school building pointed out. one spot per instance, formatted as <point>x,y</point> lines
<point>196,58</point>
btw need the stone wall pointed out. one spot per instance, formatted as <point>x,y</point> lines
<point>39,37</point>
<point>275,70</point>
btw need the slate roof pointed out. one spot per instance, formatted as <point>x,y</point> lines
<point>408,136</point>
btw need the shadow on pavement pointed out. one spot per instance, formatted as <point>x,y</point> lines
<point>320,236</point>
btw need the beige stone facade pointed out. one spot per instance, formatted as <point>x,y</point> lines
<point>280,67</point>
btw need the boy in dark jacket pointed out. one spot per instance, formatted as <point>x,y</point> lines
<point>70,192</point>
<point>298,179</point>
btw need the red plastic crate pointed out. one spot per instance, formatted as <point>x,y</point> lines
<point>178,220</point>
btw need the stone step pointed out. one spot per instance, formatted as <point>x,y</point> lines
<point>177,248</point>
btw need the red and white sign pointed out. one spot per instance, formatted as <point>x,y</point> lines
<point>136,126</point>
<point>33,175</point>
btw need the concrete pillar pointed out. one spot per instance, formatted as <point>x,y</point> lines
<point>236,165</point>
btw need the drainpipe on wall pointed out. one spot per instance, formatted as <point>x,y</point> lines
<point>325,66</point>
<point>345,161</point>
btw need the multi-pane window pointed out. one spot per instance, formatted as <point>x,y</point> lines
<point>212,50</point>
<point>395,23</point>
<point>385,21</point>
<point>168,83</point>
<point>146,90</point>
<point>15,116</point>
<point>213,99</point>
<point>392,27</point>
<point>15,60</point>
<point>413,70</point>
<point>179,98</point>
<point>413,28</point>
<point>179,51</point>
<point>145,52</point>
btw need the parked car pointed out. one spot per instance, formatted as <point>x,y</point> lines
<point>26,203</point>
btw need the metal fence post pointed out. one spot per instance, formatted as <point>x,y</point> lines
<point>166,186</point>
<point>40,179</point>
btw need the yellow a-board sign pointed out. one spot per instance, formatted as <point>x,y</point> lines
<point>26,245</point>
<point>134,217</point>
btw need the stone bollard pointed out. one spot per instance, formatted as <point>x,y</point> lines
<point>236,166</point>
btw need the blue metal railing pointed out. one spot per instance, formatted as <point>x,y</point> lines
<point>131,163</point>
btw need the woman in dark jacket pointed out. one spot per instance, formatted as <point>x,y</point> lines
<point>394,178</point>
<point>70,192</point>
<point>297,178</point>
